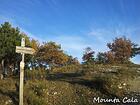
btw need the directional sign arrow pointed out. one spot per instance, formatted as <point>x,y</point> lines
<point>24,50</point>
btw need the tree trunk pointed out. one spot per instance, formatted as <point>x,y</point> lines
<point>0,68</point>
<point>2,65</point>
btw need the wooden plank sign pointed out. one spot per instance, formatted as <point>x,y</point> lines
<point>25,50</point>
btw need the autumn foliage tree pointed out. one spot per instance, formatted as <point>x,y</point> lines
<point>122,49</point>
<point>88,56</point>
<point>72,60</point>
<point>109,57</point>
<point>51,54</point>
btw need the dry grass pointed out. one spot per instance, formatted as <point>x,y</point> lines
<point>72,87</point>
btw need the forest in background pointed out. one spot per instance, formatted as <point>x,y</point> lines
<point>50,54</point>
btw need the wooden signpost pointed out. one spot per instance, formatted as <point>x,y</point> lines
<point>22,50</point>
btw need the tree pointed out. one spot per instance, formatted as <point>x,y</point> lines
<point>51,54</point>
<point>9,38</point>
<point>33,59</point>
<point>101,58</point>
<point>109,57</point>
<point>88,56</point>
<point>30,59</point>
<point>135,50</point>
<point>72,60</point>
<point>121,48</point>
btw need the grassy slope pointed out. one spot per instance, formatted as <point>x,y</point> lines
<point>73,87</point>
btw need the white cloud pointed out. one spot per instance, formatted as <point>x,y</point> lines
<point>72,44</point>
<point>75,44</point>
<point>105,34</point>
<point>100,34</point>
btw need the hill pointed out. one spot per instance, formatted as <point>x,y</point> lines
<point>75,85</point>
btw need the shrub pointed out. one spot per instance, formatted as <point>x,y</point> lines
<point>67,69</point>
<point>57,93</point>
<point>36,74</point>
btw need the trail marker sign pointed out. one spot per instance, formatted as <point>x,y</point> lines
<point>25,50</point>
<point>22,50</point>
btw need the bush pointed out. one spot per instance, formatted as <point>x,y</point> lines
<point>57,93</point>
<point>36,74</point>
<point>67,69</point>
<point>110,86</point>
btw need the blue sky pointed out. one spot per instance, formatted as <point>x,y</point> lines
<point>75,24</point>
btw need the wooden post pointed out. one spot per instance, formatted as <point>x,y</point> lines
<point>23,50</point>
<point>22,64</point>
<point>21,81</point>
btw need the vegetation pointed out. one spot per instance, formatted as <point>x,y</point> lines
<point>88,56</point>
<point>72,87</point>
<point>53,77</point>
<point>122,49</point>
<point>50,53</point>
